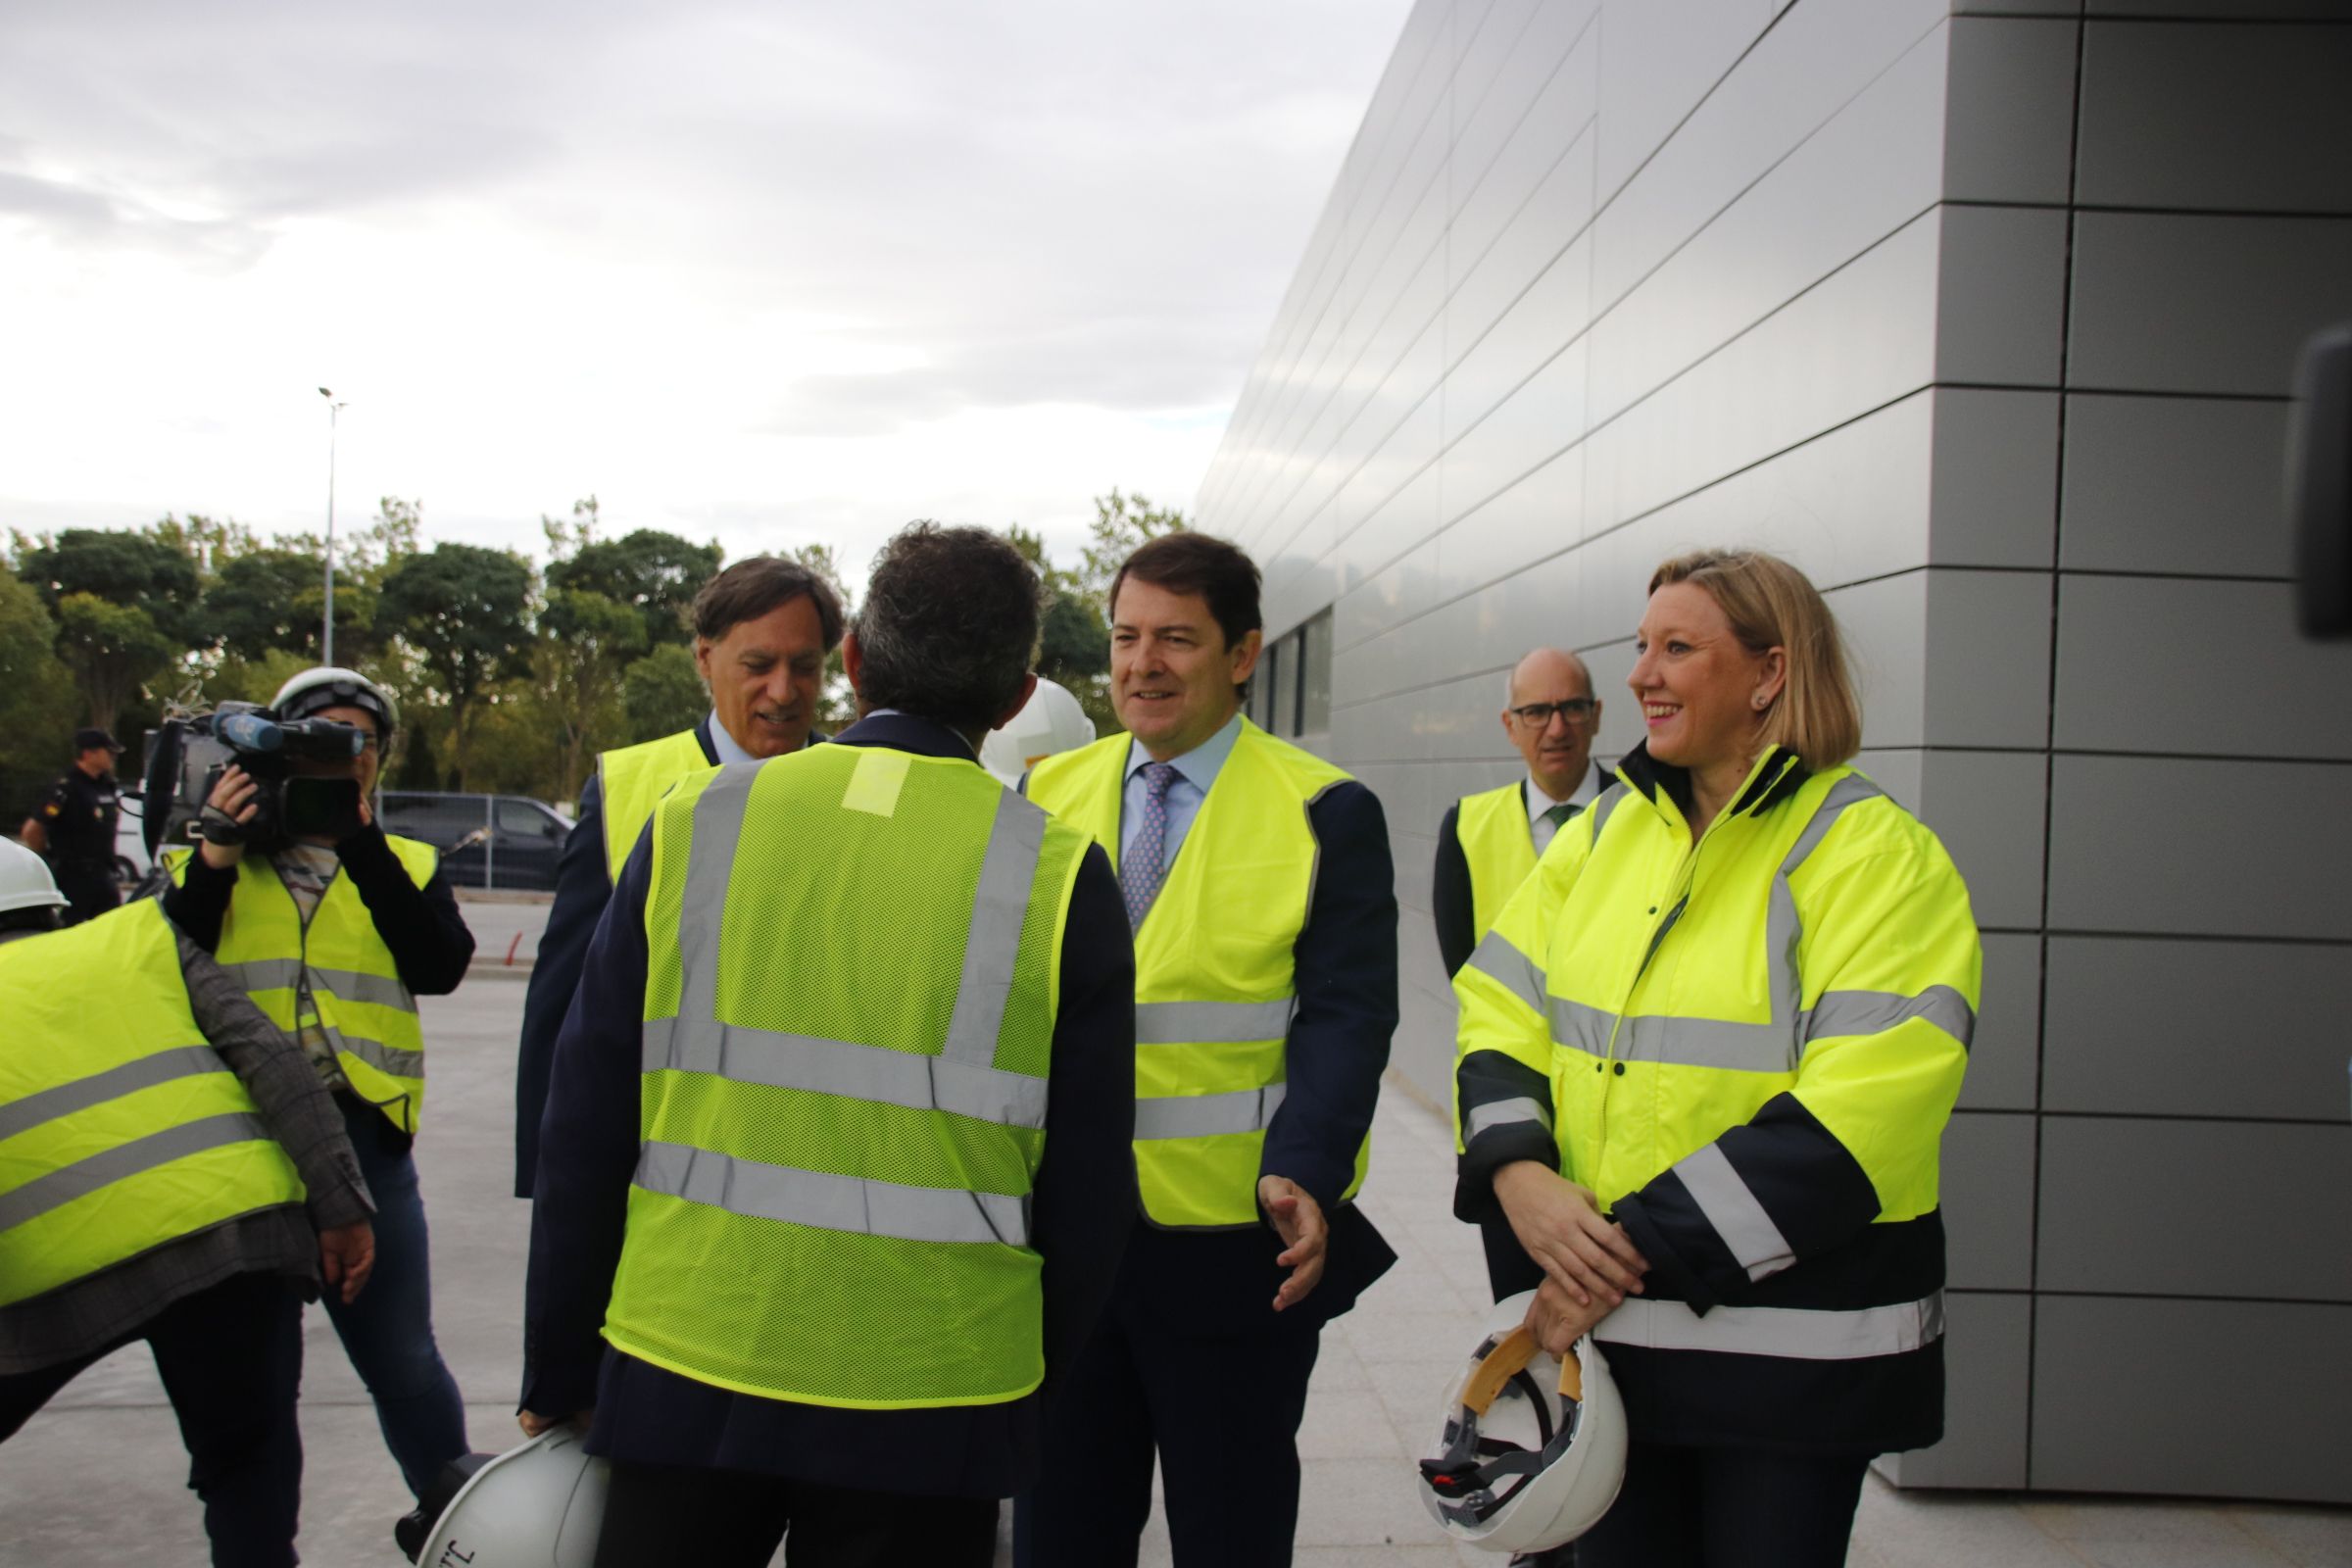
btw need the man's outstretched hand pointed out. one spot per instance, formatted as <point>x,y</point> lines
<point>1299,1220</point>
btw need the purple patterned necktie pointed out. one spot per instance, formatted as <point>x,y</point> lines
<point>1144,866</point>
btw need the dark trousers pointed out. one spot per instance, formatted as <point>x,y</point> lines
<point>1222,1414</point>
<point>89,890</point>
<point>230,1358</point>
<point>388,1331</point>
<point>658,1515</point>
<point>1727,1507</point>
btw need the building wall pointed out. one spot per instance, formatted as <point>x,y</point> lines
<point>1985,320</point>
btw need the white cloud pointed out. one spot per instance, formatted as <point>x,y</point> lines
<point>738,269</point>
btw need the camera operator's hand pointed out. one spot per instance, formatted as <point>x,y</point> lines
<point>227,811</point>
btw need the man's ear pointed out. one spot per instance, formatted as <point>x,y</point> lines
<point>852,662</point>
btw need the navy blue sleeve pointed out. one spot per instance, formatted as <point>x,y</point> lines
<point>1452,902</point>
<point>587,1151</point>
<point>583,886</point>
<point>1345,963</point>
<point>422,926</point>
<point>1085,1197</point>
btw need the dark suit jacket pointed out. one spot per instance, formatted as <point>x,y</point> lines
<point>583,884</point>
<point>1080,1211</point>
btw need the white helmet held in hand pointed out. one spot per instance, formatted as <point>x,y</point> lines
<point>541,1505</point>
<point>1532,1447</point>
<point>24,880</point>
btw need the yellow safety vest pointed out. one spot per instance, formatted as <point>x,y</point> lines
<point>632,779</point>
<point>1498,846</point>
<point>1214,988</point>
<point>120,1129</point>
<point>363,1006</point>
<point>1817,944</point>
<point>844,1099</point>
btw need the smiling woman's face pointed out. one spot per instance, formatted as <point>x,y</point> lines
<point>1697,686</point>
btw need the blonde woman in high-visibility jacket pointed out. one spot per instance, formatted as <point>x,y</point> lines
<point>1707,1053</point>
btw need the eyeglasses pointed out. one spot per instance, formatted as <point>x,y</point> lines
<point>1538,715</point>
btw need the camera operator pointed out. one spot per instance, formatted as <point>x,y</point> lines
<point>74,827</point>
<point>334,938</point>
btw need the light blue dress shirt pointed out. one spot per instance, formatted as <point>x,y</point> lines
<point>724,744</point>
<point>1195,771</point>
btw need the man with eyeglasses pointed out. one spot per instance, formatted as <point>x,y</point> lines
<point>1489,843</point>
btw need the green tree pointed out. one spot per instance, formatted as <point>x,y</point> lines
<point>39,703</point>
<point>1073,645</point>
<point>662,694</point>
<point>656,574</point>
<point>587,642</point>
<point>268,600</point>
<point>133,571</point>
<point>1122,523</point>
<point>112,651</point>
<point>464,610</point>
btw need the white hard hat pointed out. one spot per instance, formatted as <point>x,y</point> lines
<point>541,1505</point>
<point>329,686</point>
<point>24,880</point>
<point>1533,1449</point>
<point>1049,721</point>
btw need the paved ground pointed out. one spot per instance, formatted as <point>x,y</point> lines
<point>95,1479</point>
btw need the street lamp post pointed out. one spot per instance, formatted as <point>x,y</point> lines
<point>334,411</point>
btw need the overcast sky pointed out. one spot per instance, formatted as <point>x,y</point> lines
<point>766,272</point>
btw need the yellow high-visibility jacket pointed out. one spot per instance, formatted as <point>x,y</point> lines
<point>1747,1049</point>
<point>631,781</point>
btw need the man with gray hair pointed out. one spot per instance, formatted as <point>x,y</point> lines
<point>1489,841</point>
<point>837,1159</point>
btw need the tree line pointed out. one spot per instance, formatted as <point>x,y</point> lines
<point>511,675</point>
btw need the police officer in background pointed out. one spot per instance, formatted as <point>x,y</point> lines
<point>762,630</point>
<point>74,826</point>
<point>176,1173</point>
<point>836,1160</point>
<point>1491,841</point>
<point>335,939</point>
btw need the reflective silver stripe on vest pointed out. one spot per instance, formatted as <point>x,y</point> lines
<point>718,815</point>
<point>1870,1012</point>
<point>992,947</point>
<point>1243,1110</point>
<point>1504,1114</point>
<point>1731,1207</point>
<point>1607,803</point>
<point>1499,959</point>
<point>1580,1025</point>
<point>1708,1043</point>
<point>390,1060</point>
<point>125,1078</point>
<point>349,985</point>
<point>852,1072</point>
<point>63,1185</point>
<point>1211,1023</point>
<point>1791,1332</point>
<point>1852,790</point>
<point>822,1200</point>
<point>266,974</point>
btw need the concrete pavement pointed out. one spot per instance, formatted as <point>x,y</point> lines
<point>96,1480</point>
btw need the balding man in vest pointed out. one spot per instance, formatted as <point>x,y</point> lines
<point>1488,842</point>
<point>836,1171</point>
<point>763,628</point>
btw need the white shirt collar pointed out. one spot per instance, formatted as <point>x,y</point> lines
<point>1199,767</point>
<point>1587,790</point>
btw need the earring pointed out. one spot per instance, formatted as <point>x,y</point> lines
<point>1759,698</point>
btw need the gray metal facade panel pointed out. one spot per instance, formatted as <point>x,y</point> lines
<point>2234,296</point>
<point>1989,1341</point>
<point>1986,807</point>
<point>2176,484</point>
<point>2004,1060</point>
<point>2138,846</point>
<point>1993,477</point>
<point>2187,664</point>
<point>2263,1200</point>
<point>2169,1027</point>
<point>2202,1398</point>
<point>1987,1199</point>
<point>2152,94</point>
<point>2012,105</point>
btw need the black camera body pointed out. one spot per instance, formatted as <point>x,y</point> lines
<point>190,754</point>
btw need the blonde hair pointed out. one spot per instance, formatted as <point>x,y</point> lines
<point>1770,604</point>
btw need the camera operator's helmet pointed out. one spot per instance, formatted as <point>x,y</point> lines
<point>1531,1450</point>
<point>330,687</point>
<point>24,880</point>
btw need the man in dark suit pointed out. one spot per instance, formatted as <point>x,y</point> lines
<point>762,630</point>
<point>883,1173</point>
<point>1258,882</point>
<point>1489,841</point>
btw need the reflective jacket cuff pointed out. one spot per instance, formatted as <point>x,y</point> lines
<point>1473,1199</point>
<point>1667,1267</point>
